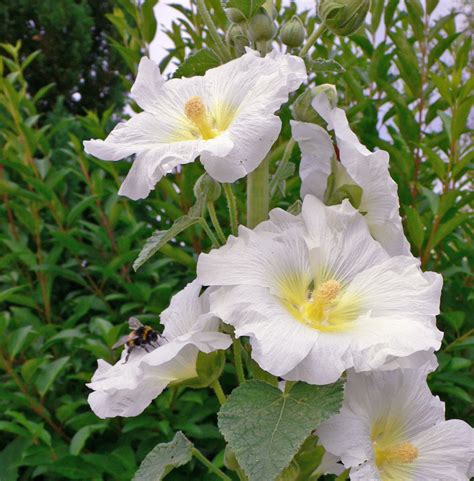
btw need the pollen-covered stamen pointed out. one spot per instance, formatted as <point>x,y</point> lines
<point>403,453</point>
<point>321,299</point>
<point>328,291</point>
<point>196,112</point>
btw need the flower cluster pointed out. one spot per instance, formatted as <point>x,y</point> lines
<point>331,291</point>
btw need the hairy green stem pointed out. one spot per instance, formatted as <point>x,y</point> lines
<point>216,385</point>
<point>214,469</point>
<point>284,160</point>
<point>219,44</point>
<point>232,206</point>
<point>258,198</point>
<point>215,222</point>
<point>239,367</point>
<point>208,231</point>
<point>311,40</point>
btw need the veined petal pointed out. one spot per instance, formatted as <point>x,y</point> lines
<point>316,153</point>
<point>146,91</point>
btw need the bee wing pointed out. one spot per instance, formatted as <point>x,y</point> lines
<point>123,340</point>
<point>134,323</point>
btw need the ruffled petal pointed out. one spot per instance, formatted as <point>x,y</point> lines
<point>147,89</point>
<point>316,153</point>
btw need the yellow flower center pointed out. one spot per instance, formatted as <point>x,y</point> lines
<point>196,112</point>
<point>403,453</point>
<point>324,308</point>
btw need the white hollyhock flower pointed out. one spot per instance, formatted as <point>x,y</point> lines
<point>126,389</point>
<point>368,170</point>
<point>330,464</point>
<point>318,295</point>
<point>392,428</point>
<point>226,117</point>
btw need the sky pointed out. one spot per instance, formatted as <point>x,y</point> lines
<point>165,15</point>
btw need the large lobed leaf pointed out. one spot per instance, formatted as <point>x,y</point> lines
<point>265,427</point>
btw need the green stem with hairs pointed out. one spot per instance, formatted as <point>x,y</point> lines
<point>239,367</point>
<point>215,222</point>
<point>222,50</point>
<point>214,469</point>
<point>284,160</point>
<point>232,206</point>
<point>208,231</point>
<point>311,40</point>
<point>216,386</point>
<point>258,198</point>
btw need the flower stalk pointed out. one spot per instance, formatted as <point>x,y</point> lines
<point>232,206</point>
<point>214,469</point>
<point>258,197</point>
<point>311,40</point>
<point>222,50</point>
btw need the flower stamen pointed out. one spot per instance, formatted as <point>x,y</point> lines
<point>403,453</point>
<point>196,112</point>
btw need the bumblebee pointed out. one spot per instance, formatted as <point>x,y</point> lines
<point>140,336</point>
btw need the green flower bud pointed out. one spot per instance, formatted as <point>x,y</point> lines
<point>237,39</point>
<point>207,186</point>
<point>330,91</point>
<point>293,33</point>
<point>270,8</point>
<point>302,108</point>
<point>235,15</point>
<point>261,26</point>
<point>343,17</point>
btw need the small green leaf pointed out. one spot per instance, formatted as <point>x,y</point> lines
<point>79,439</point>
<point>448,227</point>
<point>49,372</point>
<point>415,227</point>
<point>324,65</point>
<point>164,458</point>
<point>266,427</point>
<point>149,20</point>
<point>159,238</point>
<point>197,64</point>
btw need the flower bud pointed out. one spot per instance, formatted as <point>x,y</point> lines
<point>330,91</point>
<point>343,17</point>
<point>293,33</point>
<point>270,8</point>
<point>237,39</point>
<point>302,108</point>
<point>261,26</point>
<point>208,187</point>
<point>235,15</point>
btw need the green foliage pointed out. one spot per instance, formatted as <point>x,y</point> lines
<point>266,427</point>
<point>164,457</point>
<point>68,242</point>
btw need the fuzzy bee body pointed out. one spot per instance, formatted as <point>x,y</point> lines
<point>141,336</point>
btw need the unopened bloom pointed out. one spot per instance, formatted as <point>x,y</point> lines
<point>358,166</point>
<point>226,117</point>
<point>392,428</point>
<point>126,389</point>
<point>316,294</point>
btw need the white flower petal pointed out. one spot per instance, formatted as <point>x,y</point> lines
<point>369,170</point>
<point>445,449</point>
<point>146,90</point>
<point>316,153</point>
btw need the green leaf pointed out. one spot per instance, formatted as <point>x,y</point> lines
<point>79,439</point>
<point>247,7</point>
<point>198,64</point>
<point>149,23</point>
<point>18,340</point>
<point>49,373</point>
<point>324,65</point>
<point>415,227</point>
<point>164,458</point>
<point>159,238</point>
<point>266,427</point>
<point>448,227</point>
